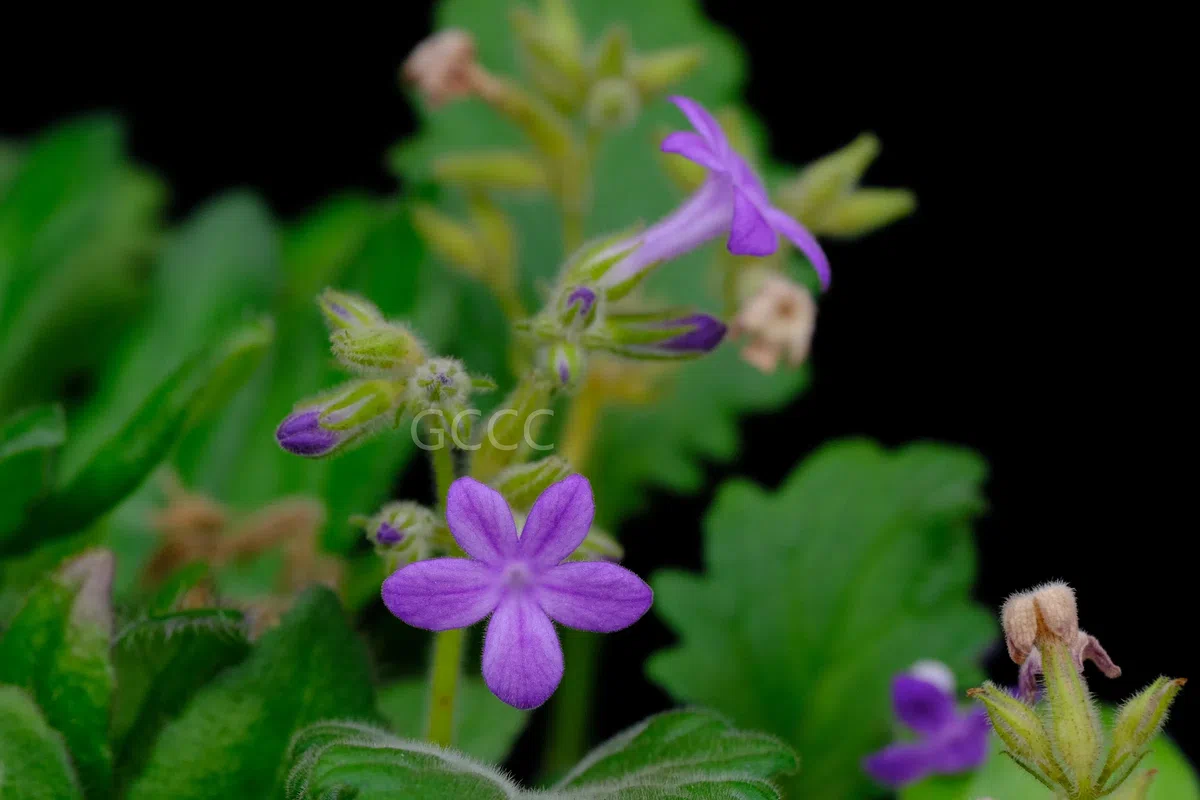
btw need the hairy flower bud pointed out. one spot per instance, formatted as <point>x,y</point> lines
<point>667,334</point>
<point>521,484</point>
<point>344,311</point>
<point>403,532</point>
<point>383,349</point>
<point>334,422</point>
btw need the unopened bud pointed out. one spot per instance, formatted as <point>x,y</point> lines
<point>669,334</point>
<point>612,55</point>
<point>343,310</point>
<point>449,239</point>
<point>551,49</point>
<point>500,169</point>
<point>1140,719</point>
<point>1020,728</point>
<point>402,532</point>
<point>864,211</point>
<point>517,418</point>
<point>334,422</point>
<point>565,361</point>
<point>522,483</point>
<point>613,104</point>
<point>439,383</point>
<point>381,349</point>
<point>654,73</point>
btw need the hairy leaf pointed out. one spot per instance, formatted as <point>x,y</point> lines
<point>485,727</point>
<point>817,594</point>
<point>34,764</point>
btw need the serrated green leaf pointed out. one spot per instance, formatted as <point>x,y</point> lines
<point>34,764</point>
<point>339,759</point>
<point>107,476</point>
<point>679,754</point>
<point>695,419</point>
<point>161,663</point>
<point>485,728</point>
<point>29,441</point>
<point>231,738</point>
<point>1000,778</point>
<point>57,649</point>
<point>77,225</point>
<point>692,751</point>
<point>817,594</point>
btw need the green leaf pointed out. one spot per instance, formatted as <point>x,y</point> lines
<point>10,162</point>
<point>685,754</point>
<point>817,594</point>
<point>120,465</point>
<point>57,649</point>
<point>161,663</point>
<point>343,759</point>
<point>28,443</point>
<point>231,738</point>
<point>485,728</point>
<point>77,225</point>
<point>34,764</point>
<point>999,777</point>
<point>694,420</point>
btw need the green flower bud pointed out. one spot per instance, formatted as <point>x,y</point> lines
<point>866,210</point>
<point>499,169</point>
<point>511,427</point>
<point>1138,722</point>
<point>522,483</point>
<point>656,72</point>
<point>1021,730</point>
<point>1074,726</point>
<point>565,361</point>
<point>449,239</point>
<point>551,49</point>
<point>613,104</point>
<point>611,58</point>
<point>381,349</point>
<point>343,311</point>
<point>405,532</point>
<point>358,405</point>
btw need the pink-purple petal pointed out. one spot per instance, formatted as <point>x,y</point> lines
<point>745,177</point>
<point>522,659</point>
<point>704,123</point>
<point>750,234</point>
<point>442,593</point>
<point>558,522</point>
<point>480,520</point>
<point>692,147</point>
<point>594,596</point>
<point>921,705</point>
<point>804,241</point>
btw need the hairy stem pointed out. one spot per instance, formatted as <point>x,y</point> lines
<point>447,645</point>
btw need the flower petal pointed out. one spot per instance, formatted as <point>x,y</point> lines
<point>922,705</point>
<point>900,764</point>
<point>558,522</point>
<point>692,147</point>
<point>522,659</point>
<point>594,596</point>
<point>963,745</point>
<point>745,177</point>
<point>704,123</point>
<point>804,241</point>
<point>442,593</point>
<point>481,521</point>
<point>750,234</point>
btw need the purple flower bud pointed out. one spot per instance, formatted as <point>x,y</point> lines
<point>387,535</point>
<point>706,333</point>
<point>663,334</point>
<point>301,433</point>
<point>582,299</point>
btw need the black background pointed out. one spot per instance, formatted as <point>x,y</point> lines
<point>1022,311</point>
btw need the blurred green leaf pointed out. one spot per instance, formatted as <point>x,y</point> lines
<point>109,475</point>
<point>57,648</point>
<point>76,227</point>
<point>10,162</point>
<point>161,663</point>
<point>28,443</point>
<point>817,594</point>
<point>1000,778</point>
<point>34,764</point>
<point>485,727</point>
<point>689,753</point>
<point>695,420</point>
<point>231,737</point>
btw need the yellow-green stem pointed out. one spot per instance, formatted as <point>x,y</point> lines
<point>567,738</point>
<point>447,645</point>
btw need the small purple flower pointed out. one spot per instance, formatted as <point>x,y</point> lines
<point>731,200</point>
<point>521,582</point>
<point>949,741</point>
<point>301,433</point>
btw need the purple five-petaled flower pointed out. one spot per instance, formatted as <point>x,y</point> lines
<point>731,200</point>
<point>521,581</point>
<point>950,741</point>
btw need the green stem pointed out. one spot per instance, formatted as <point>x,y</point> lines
<point>567,738</point>
<point>447,645</point>
<point>443,684</point>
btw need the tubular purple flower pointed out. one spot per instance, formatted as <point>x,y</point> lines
<point>732,200</point>
<point>301,433</point>
<point>522,582</point>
